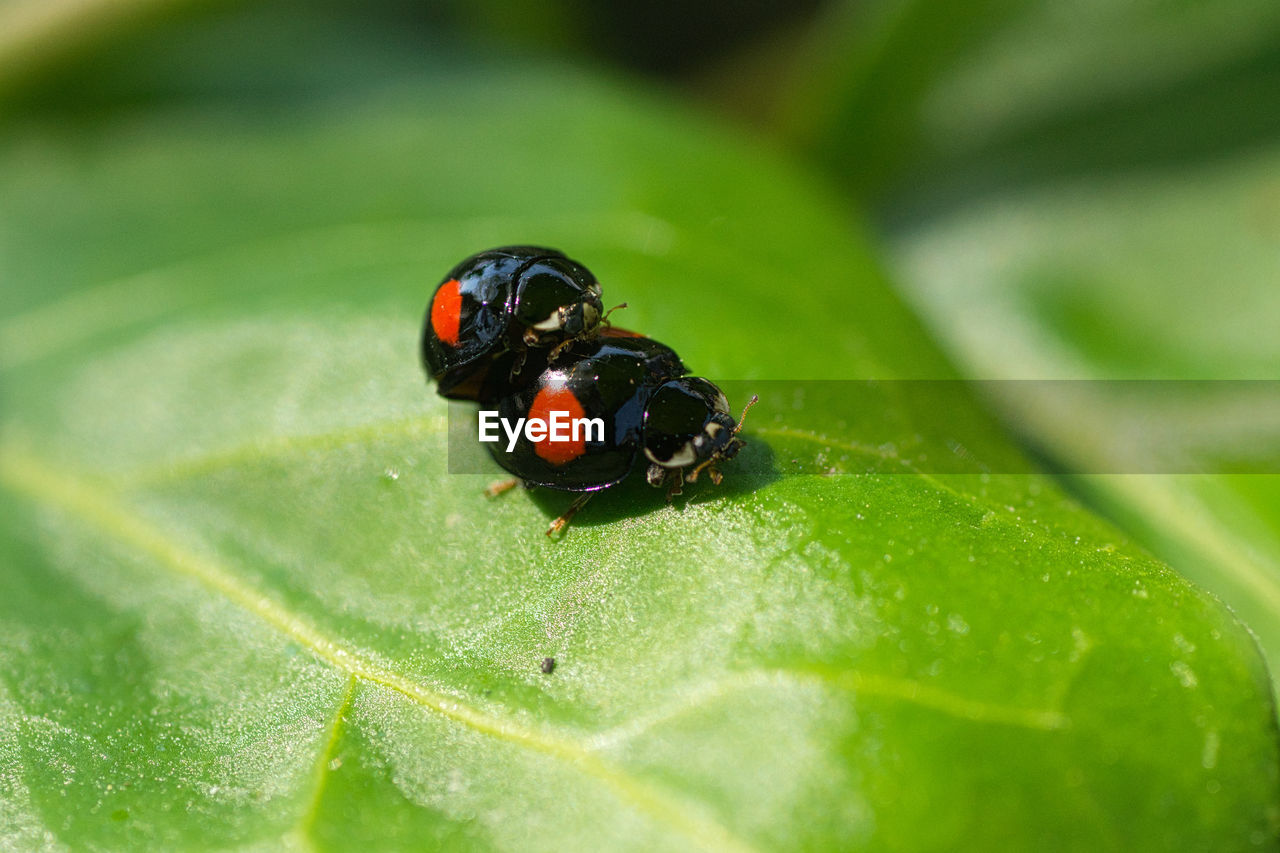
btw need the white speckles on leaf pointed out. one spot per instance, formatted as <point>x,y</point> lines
<point>1185,674</point>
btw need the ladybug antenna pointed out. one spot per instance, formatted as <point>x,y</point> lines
<point>755,398</point>
<point>604,321</point>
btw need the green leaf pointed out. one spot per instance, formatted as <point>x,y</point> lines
<point>245,605</point>
<point>1068,282</point>
<point>859,88</point>
<point>922,105</point>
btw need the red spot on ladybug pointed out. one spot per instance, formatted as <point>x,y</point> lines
<point>446,312</point>
<point>548,400</point>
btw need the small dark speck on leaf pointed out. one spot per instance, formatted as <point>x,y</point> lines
<point>548,664</point>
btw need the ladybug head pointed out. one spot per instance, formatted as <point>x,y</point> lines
<point>556,300</point>
<point>687,424</point>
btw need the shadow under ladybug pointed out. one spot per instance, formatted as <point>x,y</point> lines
<point>753,468</point>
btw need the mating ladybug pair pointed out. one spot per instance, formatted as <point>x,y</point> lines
<point>522,330</point>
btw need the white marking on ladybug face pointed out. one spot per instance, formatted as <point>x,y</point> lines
<point>681,458</point>
<point>590,316</point>
<point>713,429</point>
<point>554,321</point>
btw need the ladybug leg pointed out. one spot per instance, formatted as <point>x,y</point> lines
<point>708,466</point>
<point>494,489</point>
<point>559,348</point>
<point>675,484</point>
<point>518,364</point>
<point>673,478</point>
<point>563,521</point>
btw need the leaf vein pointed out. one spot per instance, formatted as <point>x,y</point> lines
<point>256,449</point>
<point>25,475</point>
<point>302,831</point>
<point>854,681</point>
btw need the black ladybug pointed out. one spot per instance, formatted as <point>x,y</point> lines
<point>491,308</point>
<point>645,405</point>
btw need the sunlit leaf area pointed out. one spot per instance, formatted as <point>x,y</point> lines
<point>253,593</point>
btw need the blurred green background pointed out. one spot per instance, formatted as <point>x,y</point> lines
<point>215,217</point>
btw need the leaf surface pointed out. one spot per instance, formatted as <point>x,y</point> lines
<point>244,604</point>
<point>1068,282</point>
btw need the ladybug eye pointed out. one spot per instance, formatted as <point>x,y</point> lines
<point>579,318</point>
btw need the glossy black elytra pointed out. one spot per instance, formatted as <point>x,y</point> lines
<point>520,329</point>
<point>681,425</point>
<point>494,306</point>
